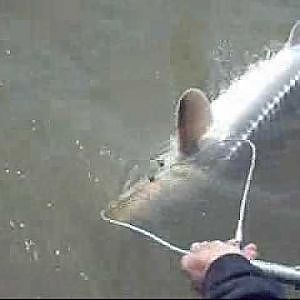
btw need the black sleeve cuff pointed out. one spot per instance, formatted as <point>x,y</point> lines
<point>232,276</point>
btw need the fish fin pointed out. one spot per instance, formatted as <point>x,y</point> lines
<point>194,118</point>
<point>294,38</point>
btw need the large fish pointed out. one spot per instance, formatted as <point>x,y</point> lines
<point>252,105</point>
<point>208,151</point>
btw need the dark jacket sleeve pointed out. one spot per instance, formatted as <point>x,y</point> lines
<point>232,276</point>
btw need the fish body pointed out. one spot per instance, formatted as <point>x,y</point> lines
<point>201,175</point>
<point>209,136</point>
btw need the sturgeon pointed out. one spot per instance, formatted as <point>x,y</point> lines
<point>210,133</point>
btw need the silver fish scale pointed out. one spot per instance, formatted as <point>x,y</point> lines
<point>269,108</point>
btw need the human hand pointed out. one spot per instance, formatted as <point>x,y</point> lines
<point>202,255</point>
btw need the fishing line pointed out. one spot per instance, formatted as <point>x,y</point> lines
<point>242,213</point>
<point>239,230</point>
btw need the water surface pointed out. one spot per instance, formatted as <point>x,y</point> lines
<point>88,88</point>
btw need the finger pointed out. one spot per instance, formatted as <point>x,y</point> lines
<point>192,268</point>
<point>251,246</point>
<point>250,251</point>
<point>188,262</point>
<point>195,247</point>
<point>185,262</point>
<point>250,255</point>
<point>234,242</point>
<point>216,243</point>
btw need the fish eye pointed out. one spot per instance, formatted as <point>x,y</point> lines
<point>151,178</point>
<point>160,163</point>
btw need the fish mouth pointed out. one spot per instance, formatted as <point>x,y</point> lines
<point>135,199</point>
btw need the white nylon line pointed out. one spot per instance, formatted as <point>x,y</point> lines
<point>143,232</point>
<point>239,230</point>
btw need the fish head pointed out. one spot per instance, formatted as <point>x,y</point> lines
<point>199,170</point>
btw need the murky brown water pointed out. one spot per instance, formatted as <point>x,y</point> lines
<point>87,87</point>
